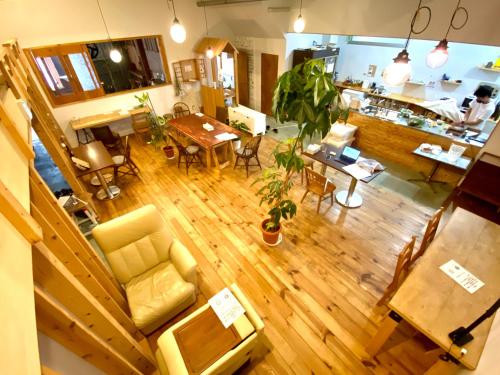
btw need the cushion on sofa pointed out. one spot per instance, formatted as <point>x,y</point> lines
<point>342,132</point>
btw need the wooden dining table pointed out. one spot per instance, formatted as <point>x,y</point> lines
<point>191,127</point>
<point>434,304</point>
<point>99,158</point>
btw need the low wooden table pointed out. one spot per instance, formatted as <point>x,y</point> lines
<point>434,304</point>
<point>191,126</point>
<point>203,340</point>
<point>99,158</point>
<point>347,198</point>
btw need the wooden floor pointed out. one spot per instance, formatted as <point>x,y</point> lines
<point>317,290</point>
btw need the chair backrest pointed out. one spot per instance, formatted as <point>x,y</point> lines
<point>403,264</point>
<point>252,145</point>
<point>180,147</point>
<point>315,182</point>
<point>104,134</point>
<point>127,149</point>
<point>181,109</point>
<point>221,114</point>
<point>140,121</point>
<point>430,233</point>
<point>65,145</point>
<point>135,242</point>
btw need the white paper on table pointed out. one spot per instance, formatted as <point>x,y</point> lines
<point>226,136</point>
<point>226,307</point>
<point>124,112</point>
<point>208,127</point>
<point>356,171</point>
<point>199,114</point>
<point>461,276</point>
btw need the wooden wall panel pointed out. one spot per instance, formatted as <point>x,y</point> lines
<point>54,321</point>
<point>54,278</point>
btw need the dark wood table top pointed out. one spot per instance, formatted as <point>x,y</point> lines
<point>203,340</point>
<point>96,154</point>
<point>329,160</point>
<point>192,127</point>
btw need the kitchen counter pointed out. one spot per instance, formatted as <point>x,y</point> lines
<point>392,96</point>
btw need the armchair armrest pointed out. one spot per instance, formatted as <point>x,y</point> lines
<point>183,261</point>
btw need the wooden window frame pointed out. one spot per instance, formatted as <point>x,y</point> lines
<point>61,50</point>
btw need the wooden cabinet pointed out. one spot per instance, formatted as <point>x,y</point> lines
<point>255,121</point>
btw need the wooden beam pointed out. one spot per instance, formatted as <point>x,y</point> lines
<point>60,325</point>
<point>14,133</point>
<point>15,213</point>
<point>73,263</point>
<point>44,200</point>
<point>52,276</point>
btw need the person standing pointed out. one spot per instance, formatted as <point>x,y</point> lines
<point>480,109</point>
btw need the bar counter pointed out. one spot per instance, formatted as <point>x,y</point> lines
<point>396,141</point>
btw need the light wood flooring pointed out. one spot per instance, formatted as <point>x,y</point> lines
<point>317,290</point>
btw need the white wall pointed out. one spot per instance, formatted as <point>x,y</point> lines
<point>37,23</point>
<point>18,346</point>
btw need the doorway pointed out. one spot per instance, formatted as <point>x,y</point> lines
<point>269,76</point>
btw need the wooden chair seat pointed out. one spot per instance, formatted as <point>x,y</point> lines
<point>319,185</point>
<point>248,152</point>
<point>190,154</point>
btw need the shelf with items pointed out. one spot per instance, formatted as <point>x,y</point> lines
<point>190,70</point>
<point>482,67</point>
<point>450,83</point>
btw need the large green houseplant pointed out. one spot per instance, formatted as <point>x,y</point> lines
<point>306,95</point>
<point>157,124</point>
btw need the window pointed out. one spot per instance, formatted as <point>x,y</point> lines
<point>77,72</point>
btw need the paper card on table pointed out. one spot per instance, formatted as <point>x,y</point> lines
<point>461,276</point>
<point>199,114</point>
<point>356,171</point>
<point>208,127</point>
<point>226,307</point>
<point>226,136</point>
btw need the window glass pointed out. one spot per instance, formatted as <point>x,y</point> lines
<point>81,68</point>
<point>54,74</point>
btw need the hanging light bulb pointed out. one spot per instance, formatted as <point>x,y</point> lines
<point>399,71</point>
<point>177,30</point>
<point>115,55</point>
<point>299,24</point>
<point>438,56</point>
<point>209,52</point>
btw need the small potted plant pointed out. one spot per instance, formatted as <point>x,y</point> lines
<point>242,127</point>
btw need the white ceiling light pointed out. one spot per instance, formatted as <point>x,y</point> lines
<point>399,72</point>
<point>114,54</point>
<point>299,24</point>
<point>439,55</point>
<point>209,52</point>
<point>177,30</point>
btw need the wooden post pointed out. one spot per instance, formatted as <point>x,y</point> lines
<point>18,139</point>
<point>60,325</point>
<point>15,213</point>
<point>54,278</point>
<point>389,324</point>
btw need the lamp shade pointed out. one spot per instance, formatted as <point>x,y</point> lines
<point>398,72</point>
<point>209,52</point>
<point>438,56</point>
<point>177,32</point>
<point>115,55</point>
<point>299,24</point>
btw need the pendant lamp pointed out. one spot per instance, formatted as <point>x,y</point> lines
<point>299,24</point>
<point>209,52</point>
<point>114,54</point>
<point>177,30</point>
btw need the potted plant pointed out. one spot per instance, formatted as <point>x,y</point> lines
<point>306,94</point>
<point>157,124</point>
<point>242,127</point>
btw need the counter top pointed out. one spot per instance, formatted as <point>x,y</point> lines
<point>393,96</point>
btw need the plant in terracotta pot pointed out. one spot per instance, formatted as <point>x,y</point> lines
<point>157,124</point>
<point>242,127</point>
<point>306,95</point>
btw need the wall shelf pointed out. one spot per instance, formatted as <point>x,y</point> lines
<point>450,83</point>
<point>415,83</point>
<point>482,67</point>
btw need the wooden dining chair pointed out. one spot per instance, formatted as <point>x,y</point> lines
<point>221,114</point>
<point>320,185</point>
<point>140,124</point>
<point>308,162</point>
<point>402,270</point>
<point>124,165</point>
<point>65,146</point>
<point>106,136</point>
<point>430,233</point>
<point>247,153</point>
<point>181,109</point>
<point>191,154</point>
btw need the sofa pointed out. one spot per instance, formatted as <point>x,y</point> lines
<point>156,269</point>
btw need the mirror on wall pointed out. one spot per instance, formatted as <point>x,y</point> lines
<point>81,71</point>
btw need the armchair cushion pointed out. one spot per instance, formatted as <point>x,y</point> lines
<point>158,295</point>
<point>342,132</point>
<point>183,261</point>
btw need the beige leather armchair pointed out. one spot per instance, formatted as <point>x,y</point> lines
<point>157,271</point>
<point>249,327</point>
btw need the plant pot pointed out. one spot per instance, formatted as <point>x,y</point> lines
<point>270,238</point>
<point>236,144</point>
<point>169,152</point>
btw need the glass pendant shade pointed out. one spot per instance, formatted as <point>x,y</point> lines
<point>438,56</point>
<point>177,32</point>
<point>115,55</point>
<point>210,52</point>
<point>299,24</point>
<point>398,72</point>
